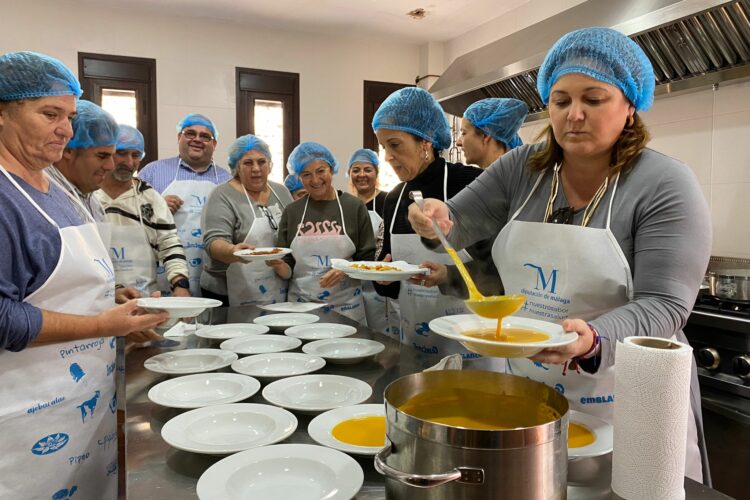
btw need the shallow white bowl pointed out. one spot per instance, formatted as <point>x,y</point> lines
<point>283,472</point>
<point>203,389</point>
<point>260,344</point>
<point>223,429</point>
<point>178,307</point>
<point>249,255</point>
<point>317,393</point>
<point>344,351</point>
<point>292,307</point>
<point>190,361</point>
<point>321,427</point>
<point>319,331</point>
<point>282,321</point>
<point>230,331</point>
<point>603,434</point>
<point>454,327</point>
<point>276,365</point>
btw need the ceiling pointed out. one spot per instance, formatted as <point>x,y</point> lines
<point>444,20</point>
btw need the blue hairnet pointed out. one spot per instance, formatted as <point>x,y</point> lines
<point>308,152</point>
<point>606,55</point>
<point>364,155</point>
<point>24,75</point>
<point>293,183</point>
<point>499,119</point>
<point>414,110</point>
<point>92,127</point>
<point>130,138</point>
<point>246,143</point>
<point>198,119</point>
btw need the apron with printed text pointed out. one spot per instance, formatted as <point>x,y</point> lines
<point>255,283</point>
<point>313,250</point>
<point>132,256</point>
<point>419,304</point>
<point>58,400</point>
<point>376,308</point>
<point>570,271</point>
<point>194,194</point>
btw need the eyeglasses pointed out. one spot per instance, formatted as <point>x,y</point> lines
<point>192,135</point>
<point>271,220</point>
<point>563,215</point>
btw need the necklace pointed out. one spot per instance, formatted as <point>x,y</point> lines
<point>590,208</point>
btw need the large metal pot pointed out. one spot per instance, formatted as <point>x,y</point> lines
<point>730,284</point>
<point>428,460</point>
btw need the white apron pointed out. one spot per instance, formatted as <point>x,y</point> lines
<point>194,194</point>
<point>569,271</point>
<point>313,251</point>
<point>58,400</point>
<point>376,308</point>
<point>132,256</point>
<point>419,305</point>
<point>255,283</point>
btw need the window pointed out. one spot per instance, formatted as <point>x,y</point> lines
<point>126,88</point>
<point>268,106</point>
<point>374,95</point>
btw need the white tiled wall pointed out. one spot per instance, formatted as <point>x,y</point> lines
<point>709,130</point>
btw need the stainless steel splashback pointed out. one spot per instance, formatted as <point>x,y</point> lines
<point>691,44</point>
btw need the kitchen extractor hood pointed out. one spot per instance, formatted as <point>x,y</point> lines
<point>691,43</point>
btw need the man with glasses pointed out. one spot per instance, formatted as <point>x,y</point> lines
<point>185,181</point>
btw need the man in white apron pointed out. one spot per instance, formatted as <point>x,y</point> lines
<point>255,283</point>
<point>135,241</point>
<point>311,253</point>
<point>185,182</point>
<point>87,159</point>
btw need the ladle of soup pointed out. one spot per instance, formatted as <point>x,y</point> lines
<point>495,306</point>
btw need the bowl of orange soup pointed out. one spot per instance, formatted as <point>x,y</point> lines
<point>517,338</point>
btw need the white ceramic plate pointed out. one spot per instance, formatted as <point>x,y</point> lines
<point>454,327</point>
<point>316,393</point>
<point>203,389</point>
<point>178,307</point>
<point>276,365</point>
<point>230,331</point>
<point>344,351</point>
<point>319,331</point>
<point>253,256</point>
<point>404,270</point>
<point>283,472</point>
<point>261,344</point>
<point>285,320</point>
<point>603,433</point>
<point>224,429</point>
<point>292,307</point>
<point>190,361</point>
<point>321,427</point>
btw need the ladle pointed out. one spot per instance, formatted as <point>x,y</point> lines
<point>495,306</point>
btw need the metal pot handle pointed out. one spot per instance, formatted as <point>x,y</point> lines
<point>459,474</point>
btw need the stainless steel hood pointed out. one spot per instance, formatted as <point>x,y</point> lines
<point>691,43</point>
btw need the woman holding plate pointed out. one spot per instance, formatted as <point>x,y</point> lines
<point>324,225</point>
<point>602,234</point>
<point>243,213</point>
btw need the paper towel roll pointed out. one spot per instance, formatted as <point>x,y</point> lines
<point>652,407</point>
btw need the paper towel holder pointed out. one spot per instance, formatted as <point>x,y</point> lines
<point>655,343</point>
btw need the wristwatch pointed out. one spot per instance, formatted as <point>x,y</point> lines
<point>182,283</point>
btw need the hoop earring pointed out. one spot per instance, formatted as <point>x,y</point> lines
<point>631,121</point>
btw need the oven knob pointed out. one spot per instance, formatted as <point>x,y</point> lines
<point>741,366</point>
<point>708,358</point>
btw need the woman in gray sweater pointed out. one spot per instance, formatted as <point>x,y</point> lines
<point>326,224</point>
<point>243,213</point>
<point>601,234</point>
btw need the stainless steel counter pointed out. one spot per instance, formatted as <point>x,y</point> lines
<point>155,471</point>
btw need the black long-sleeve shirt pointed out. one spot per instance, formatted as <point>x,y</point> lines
<point>430,182</point>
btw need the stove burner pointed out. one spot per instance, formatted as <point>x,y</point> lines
<point>710,303</point>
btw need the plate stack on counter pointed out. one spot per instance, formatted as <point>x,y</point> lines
<point>279,352</point>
